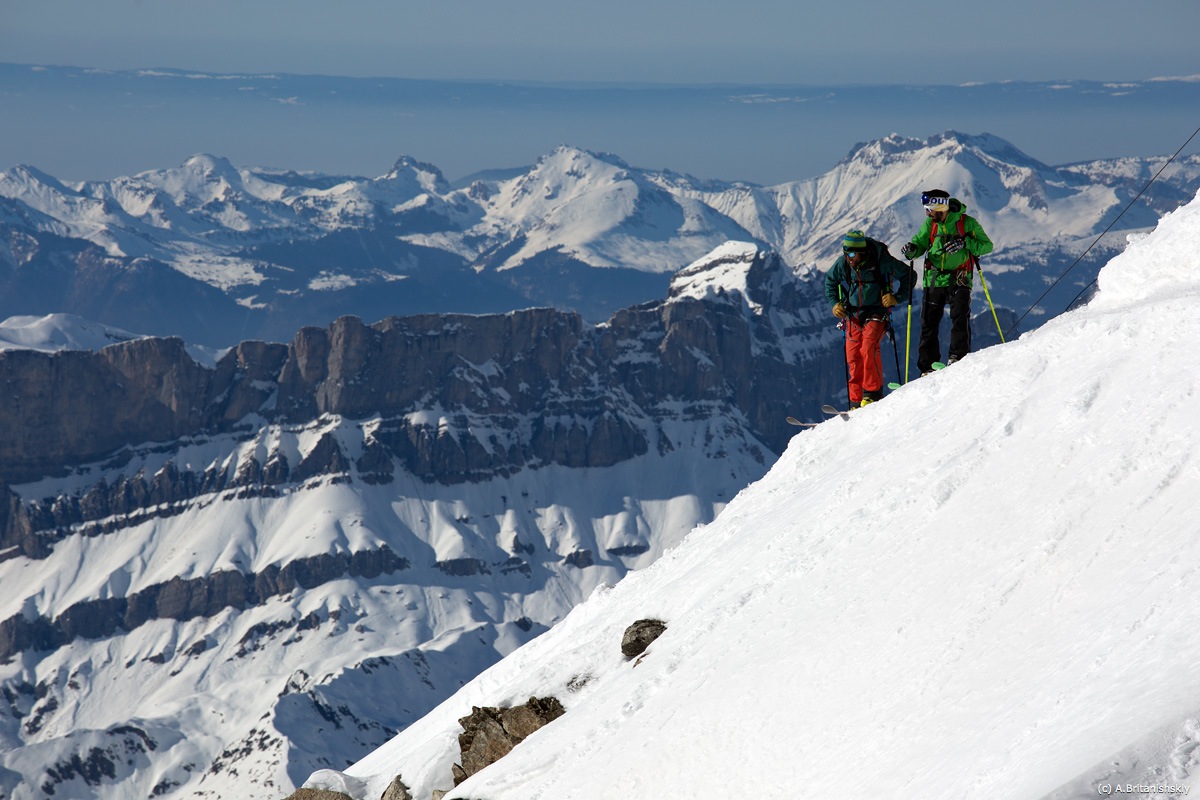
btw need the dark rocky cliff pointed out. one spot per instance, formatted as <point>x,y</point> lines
<point>580,384</point>
<point>451,398</point>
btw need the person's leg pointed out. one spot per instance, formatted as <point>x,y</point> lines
<point>960,322</point>
<point>854,337</point>
<point>932,309</point>
<point>872,362</point>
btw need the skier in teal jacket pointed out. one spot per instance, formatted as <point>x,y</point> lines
<point>951,241</point>
<point>859,287</point>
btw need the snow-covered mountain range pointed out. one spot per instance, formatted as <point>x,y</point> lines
<point>218,254</point>
<point>998,603</point>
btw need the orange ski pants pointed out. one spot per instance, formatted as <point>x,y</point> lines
<point>862,357</point>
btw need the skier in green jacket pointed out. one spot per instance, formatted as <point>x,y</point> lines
<point>859,287</point>
<point>951,242</point>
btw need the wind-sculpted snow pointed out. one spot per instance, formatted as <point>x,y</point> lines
<point>1155,270</point>
<point>982,587</point>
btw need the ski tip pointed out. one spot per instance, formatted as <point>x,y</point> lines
<point>828,409</point>
<point>938,365</point>
<point>799,424</point>
<point>894,385</point>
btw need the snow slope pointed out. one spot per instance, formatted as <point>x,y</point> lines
<point>998,602</point>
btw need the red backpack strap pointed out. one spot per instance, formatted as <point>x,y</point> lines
<point>962,231</point>
<point>969,264</point>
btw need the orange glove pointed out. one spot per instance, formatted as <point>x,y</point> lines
<point>888,300</point>
<point>839,311</point>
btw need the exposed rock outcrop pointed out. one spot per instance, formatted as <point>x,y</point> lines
<point>396,790</point>
<point>491,733</point>
<point>318,794</point>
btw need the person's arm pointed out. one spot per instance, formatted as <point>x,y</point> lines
<point>977,241</point>
<point>833,284</point>
<point>902,272</point>
<point>919,243</point>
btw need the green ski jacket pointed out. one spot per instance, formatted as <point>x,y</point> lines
<point>941,267</point>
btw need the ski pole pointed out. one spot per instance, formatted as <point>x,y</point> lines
<point>912,285</point>
<point>845,326</point>
<point>988,295</point>
<point>891,332</point>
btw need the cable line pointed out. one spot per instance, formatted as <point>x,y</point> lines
<point>1098,238</point>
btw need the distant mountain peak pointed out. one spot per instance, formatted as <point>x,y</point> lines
<point>425,174</point>
<point>951,142</point>
<point>209,164</point>
<point>569,153</point>
<point>24,175</point>
<point>211,169</point>
<point>877,149</point>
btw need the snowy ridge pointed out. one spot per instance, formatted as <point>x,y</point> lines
<point>998,609</point>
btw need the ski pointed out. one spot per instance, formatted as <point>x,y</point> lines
<point>893,385</point>
<point>828,409</point>
<point>938,365</point>
<point>799,424</point>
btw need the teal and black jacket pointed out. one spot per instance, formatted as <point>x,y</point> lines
<point>861,290</point>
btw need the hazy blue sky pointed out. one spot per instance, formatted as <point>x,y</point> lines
<point>692,41</point>
<point>82,125</point>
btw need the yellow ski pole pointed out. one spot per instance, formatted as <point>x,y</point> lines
<point>908,328</point>
<point>988,295</point>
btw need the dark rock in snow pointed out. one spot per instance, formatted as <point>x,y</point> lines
<point>639,635</point>
<point>491,733</point>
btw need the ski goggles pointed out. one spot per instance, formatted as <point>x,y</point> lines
<point>935,203</point>
<point>852,252</point>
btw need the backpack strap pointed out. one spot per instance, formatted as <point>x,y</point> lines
<point>962,232</point>
<point>969,264</point>
<point>873,274</point>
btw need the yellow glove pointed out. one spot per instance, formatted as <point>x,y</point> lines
<point>839,311</point>
<point>888,300</point>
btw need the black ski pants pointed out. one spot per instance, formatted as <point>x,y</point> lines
<point>932,307</point>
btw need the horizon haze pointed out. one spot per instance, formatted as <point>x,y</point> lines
<point>91,124</point>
